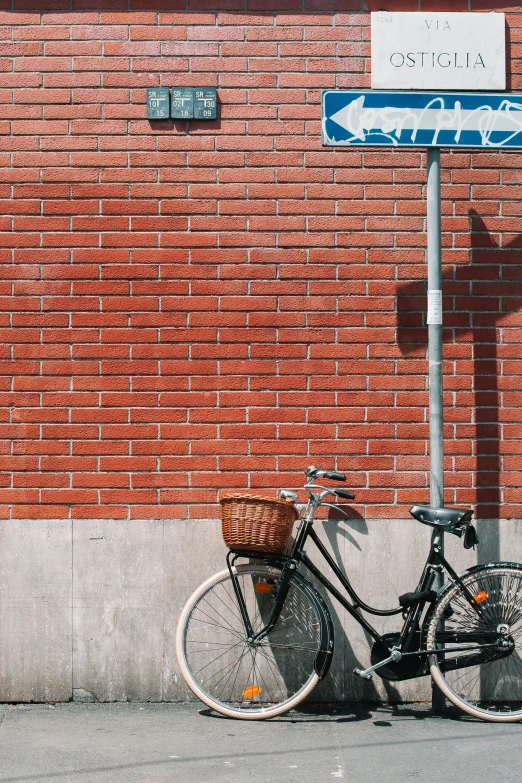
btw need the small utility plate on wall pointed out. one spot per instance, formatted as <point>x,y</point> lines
<point>182,107</point>
<point>205,103</point>
<point>158,103</point>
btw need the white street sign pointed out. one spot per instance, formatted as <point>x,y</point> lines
<point>438,51</point>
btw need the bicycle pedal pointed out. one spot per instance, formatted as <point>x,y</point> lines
<point>362,673</point>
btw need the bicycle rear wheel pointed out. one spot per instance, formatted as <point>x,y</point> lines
<point>481,669</point>
<point>235,677</point>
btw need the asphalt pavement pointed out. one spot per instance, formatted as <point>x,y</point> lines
<point>155,743</point>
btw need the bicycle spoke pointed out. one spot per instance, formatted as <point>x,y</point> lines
<point>289,646</point>
<point>261,678</point>
<point>214,660</point>
<point>209,622</point>
<point>230,627</point>
<point>235,668</point>
<point>237,672</point>
<point>274,672</point>
<point>286,663</point>
<point>226,669</point>
<point>226,666</point>
<point>204,641</point>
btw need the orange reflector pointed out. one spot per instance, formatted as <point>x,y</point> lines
<point>251,691</point>
<point>481,597</point>
<point>263,587</point>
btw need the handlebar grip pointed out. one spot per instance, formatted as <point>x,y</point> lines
<point>334,476</point>
<point>343,493</point>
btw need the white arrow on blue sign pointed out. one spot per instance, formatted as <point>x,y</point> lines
<point>379,118</point>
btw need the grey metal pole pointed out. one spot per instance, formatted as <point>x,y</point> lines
<point>435,360</point>
<point>435,330</point>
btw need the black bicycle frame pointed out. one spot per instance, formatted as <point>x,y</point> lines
<point>412,615</point>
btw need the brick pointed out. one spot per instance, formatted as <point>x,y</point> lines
<point>99,512</point>
<point>100,32</point>
<point>71,48</point>
<point>39,511</point>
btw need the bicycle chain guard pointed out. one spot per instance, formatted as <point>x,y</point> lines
<point>407,668</point>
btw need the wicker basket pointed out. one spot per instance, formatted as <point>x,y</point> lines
<point>257,524</point>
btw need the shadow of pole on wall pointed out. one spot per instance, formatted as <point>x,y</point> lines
<point>483,441</point>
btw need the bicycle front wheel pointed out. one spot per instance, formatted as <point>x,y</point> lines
<point>481,668</point>
<point>230,674</point>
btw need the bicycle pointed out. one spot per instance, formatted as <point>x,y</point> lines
<point>255,639</point>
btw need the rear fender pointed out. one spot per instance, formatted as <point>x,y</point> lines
<point>447,586</point>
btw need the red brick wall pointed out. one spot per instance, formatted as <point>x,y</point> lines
<point>192,307</point>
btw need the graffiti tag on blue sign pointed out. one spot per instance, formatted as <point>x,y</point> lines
<point>421,119</point>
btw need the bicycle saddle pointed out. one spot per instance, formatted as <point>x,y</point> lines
<point>444,518</point>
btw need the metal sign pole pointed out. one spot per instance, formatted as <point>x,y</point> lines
<point>435,360</point>
<point>435,330</point>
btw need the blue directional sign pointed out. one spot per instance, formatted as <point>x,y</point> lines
<point>380,118</point>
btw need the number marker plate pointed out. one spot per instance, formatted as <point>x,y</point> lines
<point>182,103</point>
<point>158,103</point>
<point>205,104</point>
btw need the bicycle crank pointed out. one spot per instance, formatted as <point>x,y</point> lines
<point>366,674</point>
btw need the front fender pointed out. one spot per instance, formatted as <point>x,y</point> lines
<point>323,659</point>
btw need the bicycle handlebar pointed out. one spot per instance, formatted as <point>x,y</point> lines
<point>312,473</point>
<point>333,475</point>
<point>343,493</point>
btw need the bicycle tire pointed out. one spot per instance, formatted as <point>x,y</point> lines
<point>487,683</point>
<point>285,674</point>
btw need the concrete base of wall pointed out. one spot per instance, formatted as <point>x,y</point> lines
<point>88,608</point>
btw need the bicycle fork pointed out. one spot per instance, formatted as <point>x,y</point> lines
<point>283,586</point>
